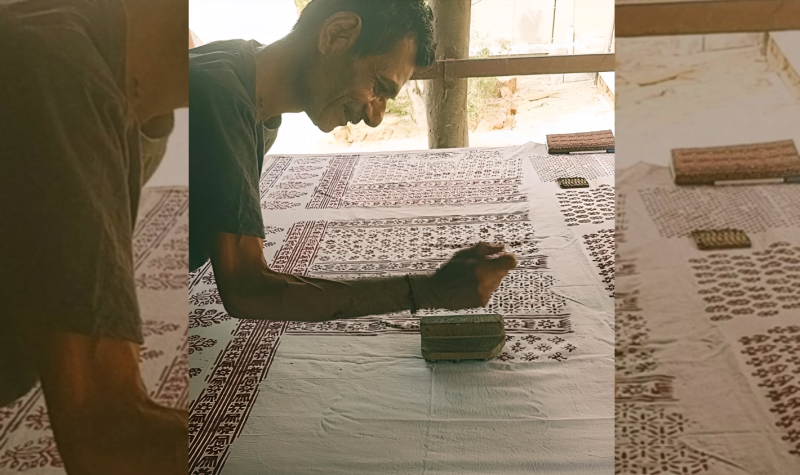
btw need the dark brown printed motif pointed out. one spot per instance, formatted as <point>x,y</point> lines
<point>159,222</point>
<point>647,427</point>
<point>405,323</point>
<point>647,441</point>
<point>333,184</point>
<point>601,247</point>
<point>757,284</point>
<point>787,200</point>
<point>620,218</point>
<point>677,212</point>
<point>595,206</point>
<point>274,172</point>
<point>774,360</point>
<point>220,411</point>
<point>550,168</point>
<point>200,317</point>
<point>539,348</point>
<point>278,205</point>
<point>423,238</point>
<point>433,178</point>
<point>367,269</point>
<point>286,194</point>
<point>31,455</point>
<point>197,343</point>
<point>293,185</point>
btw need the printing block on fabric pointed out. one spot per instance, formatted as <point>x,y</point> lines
<point>720,239</point>
<point>581,142</point>
<point>462,337</point>
<point>761,161</point>
<point>575,182</point>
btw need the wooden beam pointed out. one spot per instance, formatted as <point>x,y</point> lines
<point>521,65</point>
<point>699,17</point>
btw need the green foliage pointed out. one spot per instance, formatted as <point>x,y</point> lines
<point>481,90</point>
<point>400,106</point>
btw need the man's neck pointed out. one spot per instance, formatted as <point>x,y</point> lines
<point>157,56</point>
<point>277,69</point>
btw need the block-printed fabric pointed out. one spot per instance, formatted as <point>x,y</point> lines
<point>707,342</point>
<point>352,216</point>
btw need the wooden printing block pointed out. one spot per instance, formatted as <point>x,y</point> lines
<point>738,164</point>
<point>599,141</point>
<point>575,182</point>
<point>462,337</point>
<point>720,239</point>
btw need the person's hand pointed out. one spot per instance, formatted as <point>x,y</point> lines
<point>468,280</point>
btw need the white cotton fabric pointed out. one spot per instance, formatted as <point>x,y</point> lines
<point>730,420</point>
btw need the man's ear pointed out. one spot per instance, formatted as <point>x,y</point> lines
<point>339,33</point>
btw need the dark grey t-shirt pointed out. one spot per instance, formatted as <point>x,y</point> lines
<point>227,143</point>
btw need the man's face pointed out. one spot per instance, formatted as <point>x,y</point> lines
<point>343,88</point>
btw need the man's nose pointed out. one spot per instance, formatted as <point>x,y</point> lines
<point>373,112</point>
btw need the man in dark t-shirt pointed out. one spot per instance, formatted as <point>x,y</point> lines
<point>342,61</point>
<point>87,93</point>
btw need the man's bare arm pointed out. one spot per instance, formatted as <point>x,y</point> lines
<point>249,289</point>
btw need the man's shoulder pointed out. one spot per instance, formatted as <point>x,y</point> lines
<point>225,69</point>
<point>65,42</point>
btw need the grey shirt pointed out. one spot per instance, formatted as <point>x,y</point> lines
<point>73,166</point>
<point>227,143</point>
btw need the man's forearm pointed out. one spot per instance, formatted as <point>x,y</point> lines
<point>298,298</point>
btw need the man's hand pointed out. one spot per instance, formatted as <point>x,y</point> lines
<point>467,280</point>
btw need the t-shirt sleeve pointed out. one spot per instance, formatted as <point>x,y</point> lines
<point>223,165</point>
<point>68,186</point>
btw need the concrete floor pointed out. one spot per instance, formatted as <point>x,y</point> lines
<point>696,100</point>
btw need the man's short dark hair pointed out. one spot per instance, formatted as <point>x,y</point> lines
<point>383,24</point>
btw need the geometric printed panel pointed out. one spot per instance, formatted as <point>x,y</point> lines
<point>647,442</point>
<point>590,166</point>
<point>677,212</point>
<point>423,238</point>
<point>406,179</point>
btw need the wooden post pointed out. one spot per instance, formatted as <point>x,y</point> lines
<point>446,99</point>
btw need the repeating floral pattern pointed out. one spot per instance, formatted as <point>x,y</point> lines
<point>774,359</point>
<point>601,247</point>
<point>761,284</point>
<point>593,206</point>
<point>538,326</point>
<point>430,178</point>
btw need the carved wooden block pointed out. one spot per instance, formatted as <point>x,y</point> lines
<point>462,337</point>
<point>602,140</point>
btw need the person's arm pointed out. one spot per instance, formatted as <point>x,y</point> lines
<point>249,289</point>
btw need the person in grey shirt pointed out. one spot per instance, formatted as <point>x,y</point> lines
<point>87,90</point>
<point>341,63</point>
